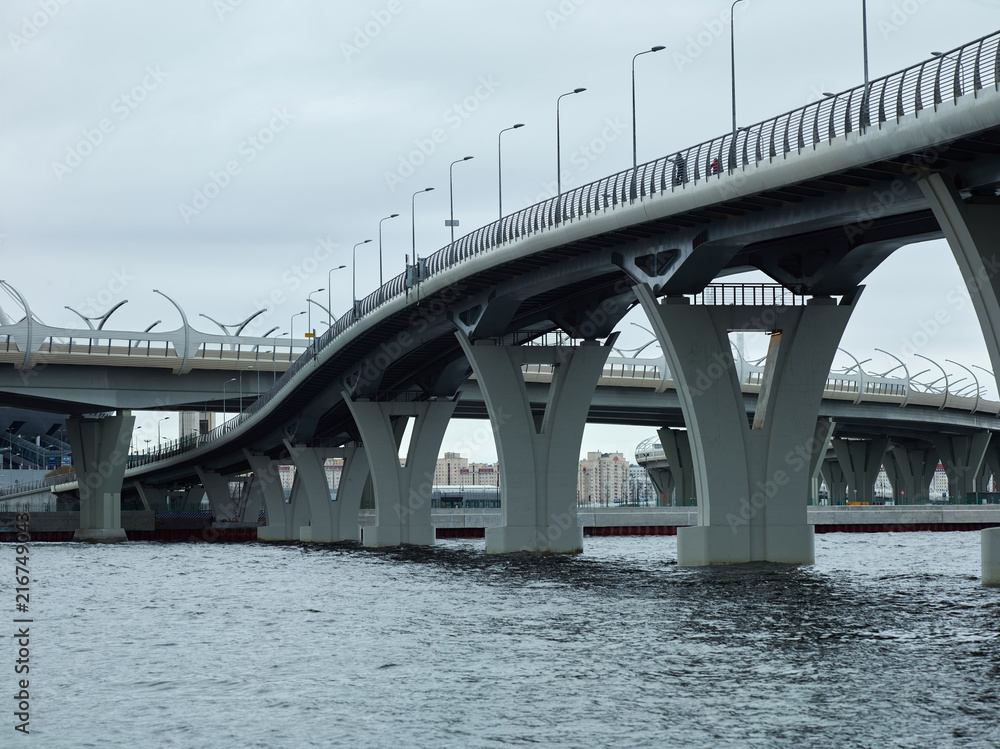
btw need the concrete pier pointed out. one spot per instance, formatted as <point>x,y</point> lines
<point>990,540</point>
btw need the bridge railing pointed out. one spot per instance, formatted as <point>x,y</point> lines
<point>963,71</point>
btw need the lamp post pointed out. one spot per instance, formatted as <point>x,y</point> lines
<point>732,59</point>
<point>559,154</point>
<point>413,219</point>
<point>291,334</point>
<point>500,165</point>
<point>451,196</point>
<point>274,355</point>
<point>309,323</point>
<point>241,383</point>
<point>158,438</point>
<point>224,398</point>
<point>380,282</point>
<point>865,119</point>
<point>657,48</point>
<point>354,276</point>
<point>329,299</point>
<point>134,435</point>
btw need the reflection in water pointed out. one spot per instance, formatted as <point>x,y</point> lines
<point>889,640</point>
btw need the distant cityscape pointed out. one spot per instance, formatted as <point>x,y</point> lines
<point>603,479</point>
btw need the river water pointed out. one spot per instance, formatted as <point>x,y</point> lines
<point>889,640</point>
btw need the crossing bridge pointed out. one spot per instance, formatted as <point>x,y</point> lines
<point>815,198</point>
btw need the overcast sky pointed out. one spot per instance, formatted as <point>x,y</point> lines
<point>316,119</point>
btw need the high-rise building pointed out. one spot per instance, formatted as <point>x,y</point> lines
<point>602,479</point>
<point>454,470</point>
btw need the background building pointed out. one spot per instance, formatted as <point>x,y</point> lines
<point>454,470</point>
<point>603,479</point>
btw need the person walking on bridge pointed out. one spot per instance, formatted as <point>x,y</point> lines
<point>680,170</point>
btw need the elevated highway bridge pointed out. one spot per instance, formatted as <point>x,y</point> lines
<point>815,198</point>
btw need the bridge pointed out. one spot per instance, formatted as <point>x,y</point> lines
<point>815,198</point>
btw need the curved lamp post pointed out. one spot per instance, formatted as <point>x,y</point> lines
<point>732,60</point>
<point>380,281</point>
<point>309,318</point>
<point>291,334</point>
<point>657,48</point>
<point>559,153</point>
<point>158,438</point>
<point>224,398</point>
<point>413,219</point>
<point>451,196</point>
<point>354,276</point>
<point>329,299</point>
<point>500,165</point>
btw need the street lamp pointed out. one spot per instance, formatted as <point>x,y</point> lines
<point>559,155</point>
<point>657,48</point>
<point>354,279</point>
<point>274,354</point>
<point>380,282</point>
<point>732,58</point>
<point>500,165</point>
<point>158,438</point>
<point>329,299</point>
<point>309,323</point>
<point>241,383</point>
<point>134,434</point>
<point>413,219</point>
<point>224,399</point>
<point>291,334</point>
<point>451,196</point>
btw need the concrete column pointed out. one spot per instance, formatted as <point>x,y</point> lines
<point>402,492</point>
<point>990,545</point>
<point>822,435</point>
<point>330,521</point>
<point>914,467</point>
<point>220,497</point>
<point>100,453</point>
<point>283,522</point>
<point>861,461</point>
<point>149,496</point>
<point>836,481</point>
<point>752,479</point>
<point>973,233</point>
<point>663,480</point>
<point>961,455</point>
<point>539,453</point>
<point>255,502</point>
<point>990,467</point>
<point>889,464</point>
<point>677,451</point>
